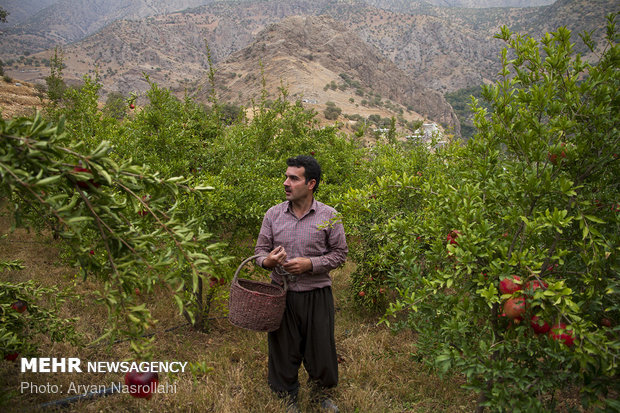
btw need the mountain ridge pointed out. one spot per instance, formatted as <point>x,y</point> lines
<point>306,48</point>
<point>444,49</point>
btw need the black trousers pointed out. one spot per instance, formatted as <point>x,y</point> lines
<point>306,336</point>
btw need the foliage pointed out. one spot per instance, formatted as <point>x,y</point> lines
<point>379,122</point>
<point>119,219</point>
<point>83,120</point>
<point>229,113</point>
<point>433,231</point>
<point>332,111</point>
<point>534,193</point>
<point>460,101</point>
<point>167,134</point>
<point>247,163</point>
<point>20,331</point>
<point>393,180</point>
<point>115,106</point>
<point>121,231</point>
<point>55,83</point>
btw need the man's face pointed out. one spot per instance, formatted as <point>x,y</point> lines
<point>295,185</point>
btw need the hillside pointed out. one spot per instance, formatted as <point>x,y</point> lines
<point>475,4</point>
<point>18,99</point>
<point>171,48</point>
<point>442,48</point>
<point>22,10</point>
<point>67,21</point>
<point>320,61</point>
<point>445,48</point>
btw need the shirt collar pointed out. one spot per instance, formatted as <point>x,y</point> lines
<point>313,207</point>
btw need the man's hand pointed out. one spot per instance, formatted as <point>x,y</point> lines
<point>298,265</point>
<point>275,257</point>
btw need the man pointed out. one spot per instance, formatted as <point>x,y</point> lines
<point>303,237</point>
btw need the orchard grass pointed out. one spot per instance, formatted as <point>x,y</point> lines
<point>380,371</point>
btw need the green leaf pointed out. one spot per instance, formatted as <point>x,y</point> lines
<point>179,303</point>
<point>75,220</point>
<point>595,219</point>
<point>48,180</point>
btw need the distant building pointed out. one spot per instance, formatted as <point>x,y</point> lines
<point>427,132</point>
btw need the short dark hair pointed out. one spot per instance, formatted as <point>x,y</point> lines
<point>311,167</point>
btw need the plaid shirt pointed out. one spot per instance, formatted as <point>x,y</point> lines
<point>318,235</point>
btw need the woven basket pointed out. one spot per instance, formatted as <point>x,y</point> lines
<point>256,305</point>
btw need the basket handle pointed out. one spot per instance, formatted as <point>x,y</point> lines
<point>253,257</point>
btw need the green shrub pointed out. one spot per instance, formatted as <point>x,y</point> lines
<point>332,112</point>
<point>532,194</point>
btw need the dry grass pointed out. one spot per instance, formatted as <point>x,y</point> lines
<point>22,100</point>
<point>378,372</point>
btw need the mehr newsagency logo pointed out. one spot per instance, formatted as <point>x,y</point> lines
<point>141,378</point>
<point>74,365</point>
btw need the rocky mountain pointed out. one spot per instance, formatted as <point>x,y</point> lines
<point>308,54</point>
<point>442,48</point>
<point>21,10</point>
<point>480,4</point>
<point>577,16</point>
<point>44,24</point>
<point>446,48</point>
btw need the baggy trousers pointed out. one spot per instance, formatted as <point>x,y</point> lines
<point>305,335</point>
